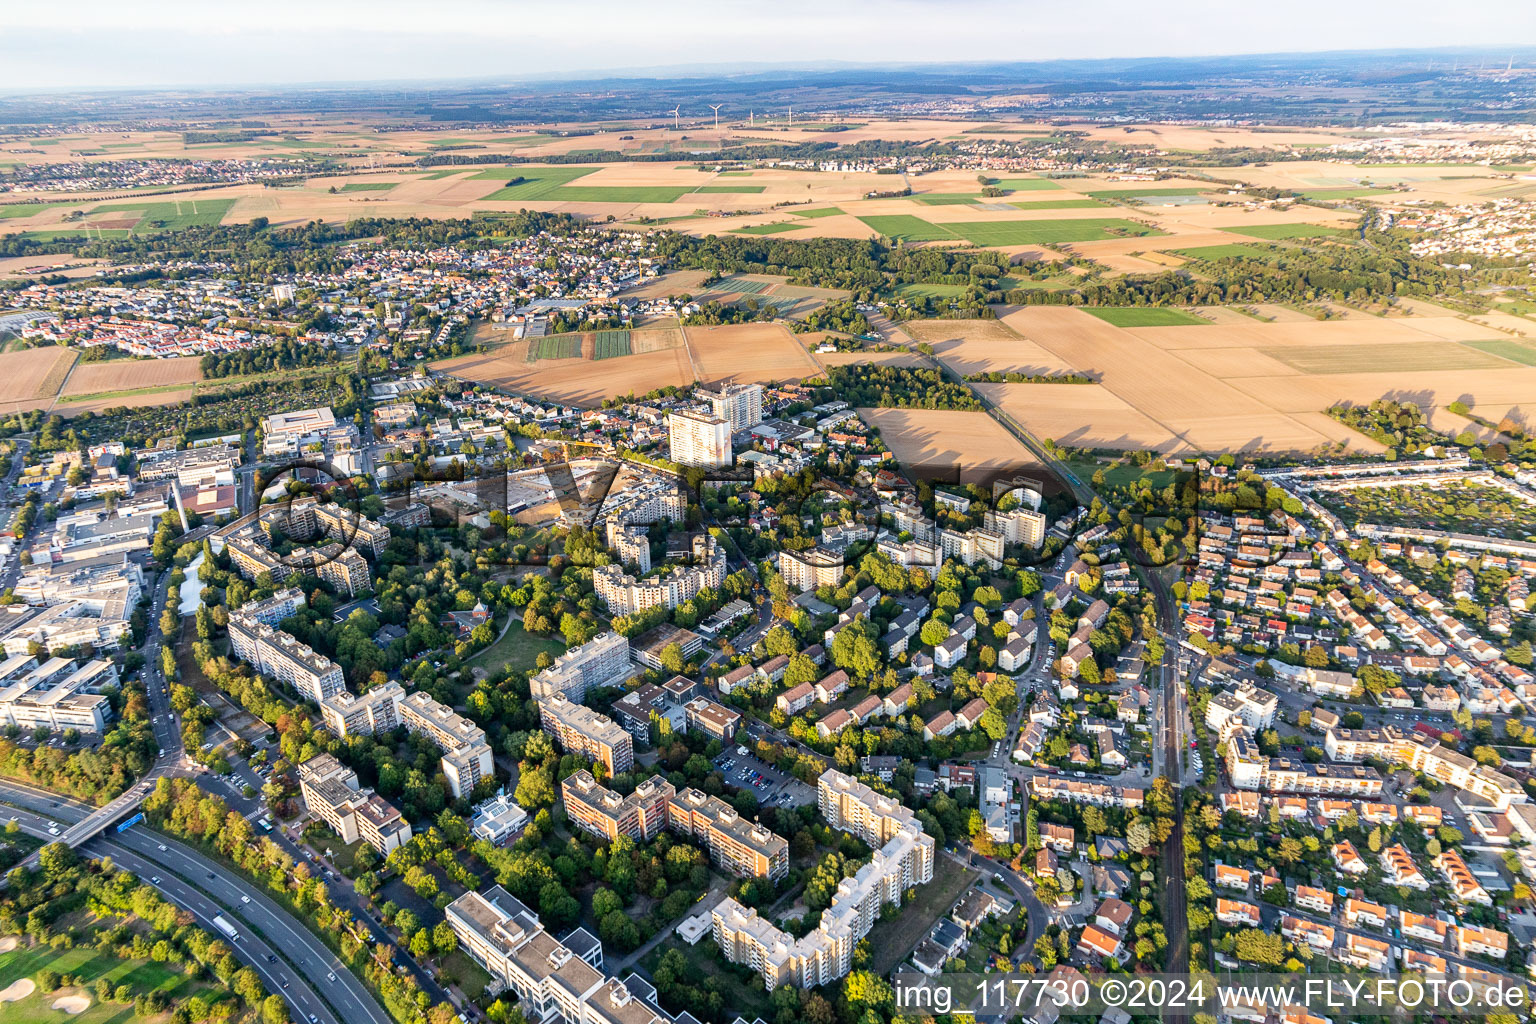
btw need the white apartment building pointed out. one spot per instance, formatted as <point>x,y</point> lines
<point>284,657</point>
<point>603,659</point>
<point>810,569</point>
<point>695,439</point>
<point>740,405</point>
<point>624,594</point>
<point>1247,704</point>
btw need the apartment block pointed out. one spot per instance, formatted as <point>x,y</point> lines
<point>625,594</point>
<point>603,659</point>
<point>331,794</point>
<point>735,844</point>
<point>972,546</point>
<point>740,405</point>
<point>1018,526</point>
<point>284,657</point>
<point>57,694</point>
<point>466,754</point>
<point>810,568</point>
<point>695,439</point>
<point>580,730</point>
<point>1247,704</point>
<point>641,815</point>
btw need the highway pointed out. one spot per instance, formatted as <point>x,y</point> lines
<point>179,888</point>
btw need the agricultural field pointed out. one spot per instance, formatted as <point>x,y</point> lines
<point>765,229</point>
<point>1060,204</point>
<point>1027,185</point>
<point>151,218</point>
<point>970,347</point>
<point>731,188</point>
<point>907,228</point>
<point>747,353</point>
<point>368,186</point>
<point>132,374</point>
<point>557,346</point>
<point>1047,232</point>
<point>939,444</point>
<point>816,214</point>
<point>1405,356</point>
<point>1515,351</point>
<point>1143,316</point>
<point>1282,232</point>
<point>1234,251</point>
<point>537,183</point>
<point>610,344</point>
<point>30,378</point>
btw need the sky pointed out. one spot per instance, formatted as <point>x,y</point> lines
<point>115,44</point>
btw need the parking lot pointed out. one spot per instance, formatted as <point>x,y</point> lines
<point>770,785</point>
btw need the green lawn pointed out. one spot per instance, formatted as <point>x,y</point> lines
<point>1045,232</point>
<point>1223,252</point>
<point>824,211</point>
<point>765,229</point>
<point>470,976</point>
<point>369,186</point>
<point>1027,184</point>
<point>1399,356</point>
<point>173,216</point>
<point>730,188</point>
<point>1325,194</point>
<point>139,975</point>
<point>891,940</point>
<point>1061,204</point>
<point>1515,351</point>
<point>905,227</point>
<point>1144,316</point>
<point>1278,232</point>
<point>518,648</point>
<point>536,184</point>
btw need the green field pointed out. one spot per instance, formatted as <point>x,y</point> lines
<point>157,217</point>
<point>907,228</point>
<point>765,229</point>
<point>730,188</point>
<point>1224,252</point>
<point>1278,232</point>
<point>437,175</point>
<point>1144,316</point>
<point>29,209</point>
<point>1325,194</point>
<point>1404,356</point>
<point>1062,204</point>
<point>931,291</point>
<point>537,182</point>
<point>1136,193</point>
<point>825,211</point>
<point>369,186</point>
<point>946,199</point>
<point>1046,232</point>
<point>89,964</point>
<point>617,194</point>
<point>1027,184</point>
<point>558,346</point>
<point>611,344</point>
<point>726,174</point>
<point>53,235</point>
<point>1515,351</point>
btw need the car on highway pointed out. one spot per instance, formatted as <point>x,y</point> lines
<point>245,899</point>
<point>154,879</point>
<point>162,847</point>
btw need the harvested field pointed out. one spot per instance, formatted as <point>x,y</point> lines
<point>937,444</point>
<point>658,339</point>
<point>1080,415</point>
<point>1405,356</point>
<point>1282,314</point>
<point>582,382</point>
<point>746,353</point>
<point>673,282</point>
<point>33,376</point>
<point>128,374</point>
<point>935,331</point>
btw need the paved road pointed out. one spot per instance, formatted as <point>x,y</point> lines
<point>252,949</point>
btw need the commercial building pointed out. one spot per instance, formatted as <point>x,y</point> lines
<point>695,439</point>
<point>580,730</point>
<point>735,844</point>
<point>331,794</point>
<point>717,720</point>
<point>58,694</point>
<point>601,660</point>
<point>284,657</point>
<point>641,815</point>
<point>497,820</point>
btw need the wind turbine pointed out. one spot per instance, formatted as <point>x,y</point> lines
<point>674,116</point>
<point>716,108</point>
